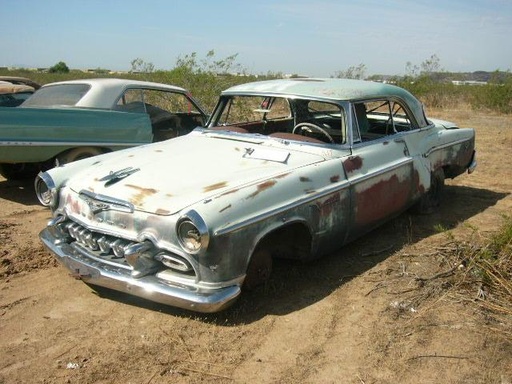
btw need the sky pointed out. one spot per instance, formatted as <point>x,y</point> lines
<point>313,38</point>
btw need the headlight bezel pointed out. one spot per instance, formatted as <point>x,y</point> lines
<point>46,190</point>
<point>192,233</point>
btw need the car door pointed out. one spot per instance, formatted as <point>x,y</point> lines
<point>380,169</point>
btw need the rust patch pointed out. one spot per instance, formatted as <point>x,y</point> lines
<point>142,193</point>
<point>262,187</point>
<point>381,200</point>
<point>283,175</point>
<point>161,211</point>
<point>304,179</point>
<point>335,178</point>
<point>215,186</point>
<point>226,207</point>
<point>420,188</point>
<point>353,163</point>
<point>326,206</point>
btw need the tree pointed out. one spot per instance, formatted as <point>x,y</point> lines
<point>141,66</point>
<point>209,64</point>
<point>353,72</point>
<point>431,65</point>
<point>60,67</point>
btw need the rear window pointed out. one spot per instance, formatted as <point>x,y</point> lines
<point>57,95</point>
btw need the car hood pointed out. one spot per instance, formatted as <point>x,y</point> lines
<point>164,178</point>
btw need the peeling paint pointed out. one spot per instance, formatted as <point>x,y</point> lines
<point>353,164</point>
<point>381,200</point>
<point>325,207</point>
<point>335,178</point>
<point>142,193</point>
<point>215,186</point>
<point>262,187</point>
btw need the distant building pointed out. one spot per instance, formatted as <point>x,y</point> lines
<point>468,82</point>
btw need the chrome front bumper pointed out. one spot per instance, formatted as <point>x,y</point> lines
<point>150,287</point>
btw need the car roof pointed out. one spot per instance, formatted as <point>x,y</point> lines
<point>20,81</point>
<point>330,90</point>
<point>334,89</point>
<point>104,92</point>
<point>6,87</point>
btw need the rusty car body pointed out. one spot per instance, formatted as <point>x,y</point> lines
<point>70,120</point>
<point>15,90</point>
<point>285,168</point>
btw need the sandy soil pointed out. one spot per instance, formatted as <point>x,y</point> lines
<point>373,312</point>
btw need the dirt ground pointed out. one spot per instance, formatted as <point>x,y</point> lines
<point>359,315</point>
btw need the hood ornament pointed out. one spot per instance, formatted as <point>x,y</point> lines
<point>98,203</point>
<point>114,177</point>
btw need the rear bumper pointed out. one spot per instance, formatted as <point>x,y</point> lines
<point>93,271</point>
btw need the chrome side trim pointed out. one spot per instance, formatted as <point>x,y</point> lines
<point>286,207</point>
<point>450,144</point>
<point>373,175</point>
<point>308,198</point>
<point>4,143</point>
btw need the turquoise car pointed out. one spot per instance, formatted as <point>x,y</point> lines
<point>71,120</point>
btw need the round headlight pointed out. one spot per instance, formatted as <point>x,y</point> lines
<point>192,233</point>
<point>189,236</point>
<point>45,189</point>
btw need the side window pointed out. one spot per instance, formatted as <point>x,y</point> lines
<point>131,101</point>
<point>172,102</point>
<point>401,120</point>
<point>145,100</point>
<point>279,110</point>
<point>171,114</point>
<point>378,118</point>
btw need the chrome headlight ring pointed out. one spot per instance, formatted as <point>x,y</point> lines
<point>46,191</point>
<point>192,232</point>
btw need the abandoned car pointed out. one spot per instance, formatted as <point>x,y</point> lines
<point>15,90</point>
<point>285,168</point>
<point>66,121</point>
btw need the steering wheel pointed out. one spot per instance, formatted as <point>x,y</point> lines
<point>308,127</point>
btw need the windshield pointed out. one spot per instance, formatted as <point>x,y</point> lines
<point>282,117</point>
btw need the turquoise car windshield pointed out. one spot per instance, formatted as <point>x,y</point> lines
<point>57,95</point>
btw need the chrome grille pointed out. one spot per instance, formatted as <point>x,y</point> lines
<point>120,251</point>
<point>105,245</point>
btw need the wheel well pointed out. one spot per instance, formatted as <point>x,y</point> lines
<point>78,153</point>
<point>291,241</point>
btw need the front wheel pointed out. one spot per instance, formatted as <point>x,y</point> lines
<point>77,154</point>
<point>259,269</point>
